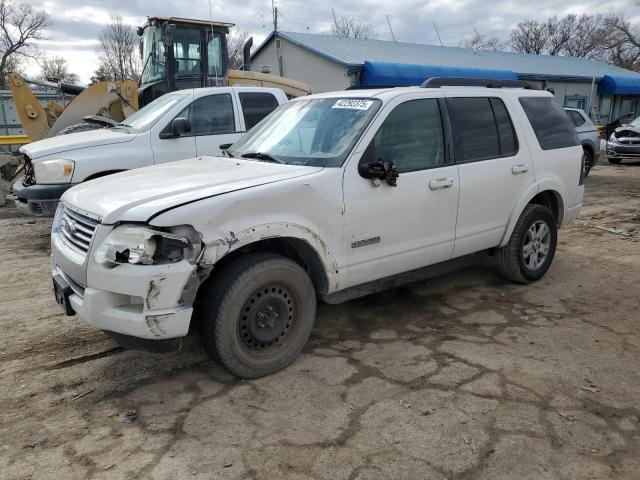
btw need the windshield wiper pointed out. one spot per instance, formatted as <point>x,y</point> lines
<point>261,156</point>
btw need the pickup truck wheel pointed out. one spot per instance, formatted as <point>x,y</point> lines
<point>529,253</point>
<point>258,315</point>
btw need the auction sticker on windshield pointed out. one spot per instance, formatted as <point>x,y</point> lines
<point>353,104</point>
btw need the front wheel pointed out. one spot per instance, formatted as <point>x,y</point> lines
<point>529,253</point>
<point>258,314</point>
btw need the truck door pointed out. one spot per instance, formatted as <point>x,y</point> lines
<point>213,123</point>
<point>392,229</point>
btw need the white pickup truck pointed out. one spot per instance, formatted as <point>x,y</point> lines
<point>178,125</point>
<point>333,196</point>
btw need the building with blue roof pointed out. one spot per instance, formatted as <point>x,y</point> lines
<point>330,63</point>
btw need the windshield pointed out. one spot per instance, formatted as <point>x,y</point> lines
<point>152,56</point>
<point>316,132</point>
<point>635,122</point>
<point>146,117</point>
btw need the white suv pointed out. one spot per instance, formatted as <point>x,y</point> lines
<point>333,196</point>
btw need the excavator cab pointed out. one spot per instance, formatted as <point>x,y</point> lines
<point>179,53</point>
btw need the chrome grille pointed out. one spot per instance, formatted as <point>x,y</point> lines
<point>77,230</point>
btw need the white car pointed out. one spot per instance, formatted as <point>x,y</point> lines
<point>178,125</point>
<point>333,196</point>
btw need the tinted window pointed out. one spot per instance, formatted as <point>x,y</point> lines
<point>575,118</point>
<point>210,115</point>
<point>256,106</point>
<point>412,137</point>
<point>550,124</point>
<point>474,129</point>
<point>506,132</point>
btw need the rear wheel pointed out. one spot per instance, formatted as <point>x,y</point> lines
<point>258,315</point>
<point>588,161</point>
<point>529,253</point>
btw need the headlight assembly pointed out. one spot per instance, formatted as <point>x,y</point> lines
<point>140,244</point>
<point>613,139</point>
<point>58,170</point>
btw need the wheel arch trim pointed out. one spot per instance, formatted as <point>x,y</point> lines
<point>551,186</point>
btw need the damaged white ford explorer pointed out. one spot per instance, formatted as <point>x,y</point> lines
<point>331,197</point>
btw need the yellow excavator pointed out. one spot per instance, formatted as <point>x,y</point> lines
<point>177,53</point>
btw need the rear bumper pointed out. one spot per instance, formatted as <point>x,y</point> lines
<point>618,150</point>
<point>39,200</point>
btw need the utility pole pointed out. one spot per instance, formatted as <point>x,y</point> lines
<point>391,29</point>
<point>335,20</point>
<point>436,29</point>
<point>276,39</point>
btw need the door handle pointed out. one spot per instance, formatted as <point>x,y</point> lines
<point>520,168</point>
<point>441,183</point>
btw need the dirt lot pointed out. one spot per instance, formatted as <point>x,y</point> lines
<point>466,376</point>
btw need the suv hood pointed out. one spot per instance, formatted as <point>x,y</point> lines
<point>138,194</point>
<point>74,141</point>
<point>627,131</point>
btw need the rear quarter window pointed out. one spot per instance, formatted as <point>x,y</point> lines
<point>550,123</point>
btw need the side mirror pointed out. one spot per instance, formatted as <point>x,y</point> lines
<point>179,126</point>
<point>377,170</point>
<point>225,146</point>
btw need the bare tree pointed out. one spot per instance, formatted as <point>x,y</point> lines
<point>56,69</point>
<point>20,26</point>
<point>591,38</point>
<point>119,50</point>
<point>235,45</point>
<point>351,27</point>
<point>102,74</point>
<point>530,37</point>
<point>625,44</point>
<point>481,42</point>
<point>559,32</point>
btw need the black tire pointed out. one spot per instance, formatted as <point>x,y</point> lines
<point>510,259</point>
<point>614,161</point>
<point>79,127</point>
<point>258,314</point>
<point>588,161</point>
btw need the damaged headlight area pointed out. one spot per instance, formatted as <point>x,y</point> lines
<point>141,244</point>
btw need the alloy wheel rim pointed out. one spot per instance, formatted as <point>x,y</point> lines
<point>536,246</point>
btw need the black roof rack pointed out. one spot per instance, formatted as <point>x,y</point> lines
<point>437,82</point>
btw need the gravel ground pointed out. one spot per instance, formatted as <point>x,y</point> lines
<point>465,376</point>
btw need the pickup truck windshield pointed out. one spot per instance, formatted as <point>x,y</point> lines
<point>146,117</point>
<point>317,132</point>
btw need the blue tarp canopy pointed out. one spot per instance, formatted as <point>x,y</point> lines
<point>620,85</point>
<point>406,75</point>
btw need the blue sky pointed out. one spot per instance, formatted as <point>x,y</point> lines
<point>76,24</point>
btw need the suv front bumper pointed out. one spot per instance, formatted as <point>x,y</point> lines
<point>39,200</point>
<point>143,301</point>
<point>620,150</point>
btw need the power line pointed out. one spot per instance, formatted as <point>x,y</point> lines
<point>436,29</point>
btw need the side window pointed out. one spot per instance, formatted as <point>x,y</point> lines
<point>578,120</point>
<point>210,115</point>
<point>551,125</point>
<point>475,135</point>
<point>412,136</point>
<point>214,55</point>
<point>256,106</point>
<point>506,132</point>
